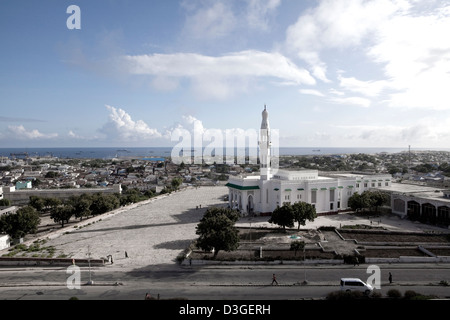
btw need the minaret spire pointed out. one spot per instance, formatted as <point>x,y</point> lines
<point>264,145</point>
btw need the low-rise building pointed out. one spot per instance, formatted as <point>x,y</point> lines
<point>22,197</point>
<point>421,203</point>
<point>23,185</point>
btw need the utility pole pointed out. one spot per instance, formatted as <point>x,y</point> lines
<point>409,157</point>
<point>90,282</point>
<point>304,265</point>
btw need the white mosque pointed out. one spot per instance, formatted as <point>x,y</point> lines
<point>262,194</point>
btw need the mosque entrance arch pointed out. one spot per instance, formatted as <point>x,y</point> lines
<point>443,217</point>
<point>428,213</point>
<point>250,205</point>
<point>413,210</point>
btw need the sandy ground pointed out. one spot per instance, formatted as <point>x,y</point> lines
<point>156,231</point>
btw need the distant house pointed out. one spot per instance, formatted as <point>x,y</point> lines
<point>20,185</point>
<point>4,242</point>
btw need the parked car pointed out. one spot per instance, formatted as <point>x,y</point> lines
<point>355,284</point>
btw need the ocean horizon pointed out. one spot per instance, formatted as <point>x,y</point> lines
<point>150,152</point>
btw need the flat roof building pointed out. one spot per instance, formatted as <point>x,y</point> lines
<point>421,203</point>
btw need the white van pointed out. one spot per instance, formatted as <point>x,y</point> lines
<point>355,284</point>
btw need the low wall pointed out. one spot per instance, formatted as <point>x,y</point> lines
<point>27,261</point>
<point>410,259</point>
<point>195,262</point>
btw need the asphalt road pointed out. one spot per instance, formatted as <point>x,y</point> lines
<point>212,283</point>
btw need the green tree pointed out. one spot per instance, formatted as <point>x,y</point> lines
<point>303,211</point>
<point>358,202</point>
<point>17,225</point>
<point>132,195</point>
<point>52,203</point>
<point>37,202</point>
<point>217,231</point>
<point>102,203</point>
<point>62,214</point>
<point>5,202</point>
<point>283,216</point>
<point>81,205</point>
<point>51,174</point>
<point>378,198</point>
<point>176,183</point>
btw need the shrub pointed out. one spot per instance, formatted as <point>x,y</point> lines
<point>394,293</point>
<point>376,295</point>
<point>410,294</point>
<point>351,259</point>
<point>344,295</point>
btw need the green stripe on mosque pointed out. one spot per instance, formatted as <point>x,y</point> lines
<point>235,186</point>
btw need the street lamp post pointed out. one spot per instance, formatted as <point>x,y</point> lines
<point>90,282</point>
<point>304,265</point>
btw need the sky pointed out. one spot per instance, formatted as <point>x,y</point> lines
<point>128,73</point>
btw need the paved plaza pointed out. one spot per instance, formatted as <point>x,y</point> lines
<point>148,233</point>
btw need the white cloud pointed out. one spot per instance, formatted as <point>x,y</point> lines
<point>219,77</point>
<point>259,12</point>
<point>337,24</point>
<point>20,133</point>
<point>357,101</point>
<point>406,39</point>
<point>194,125</point>
<point>123,128</point>
<point>211,21</point>
<point>336,92</point>
<point>430,132</point>
<point>415,52</point>
<point>312,92</point>
<point>367,88</point>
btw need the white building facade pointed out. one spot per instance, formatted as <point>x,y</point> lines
<point>273,187</point>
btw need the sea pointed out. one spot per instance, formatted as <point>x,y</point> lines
<point>165,152</point>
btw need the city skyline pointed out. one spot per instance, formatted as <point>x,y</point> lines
<point>333,73</point>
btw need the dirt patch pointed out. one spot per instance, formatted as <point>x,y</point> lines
<point>392,253</point>
<point>277,236</point>
<point>275,245</point>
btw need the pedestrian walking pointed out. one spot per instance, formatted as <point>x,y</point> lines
<point>148,296</point>
<point>126,254</point>
<point>390,277</point>
<point>274,279</point>
<point>356,261</point>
